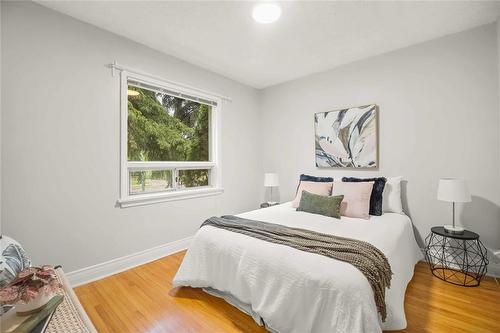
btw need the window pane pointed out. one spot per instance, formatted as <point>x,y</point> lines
<point>166,128</point>
<point>192,178</point>
<point>149,181</point>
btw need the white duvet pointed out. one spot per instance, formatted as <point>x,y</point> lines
<point>297,291</point>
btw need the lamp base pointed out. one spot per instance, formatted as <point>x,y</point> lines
<point>454,230</point>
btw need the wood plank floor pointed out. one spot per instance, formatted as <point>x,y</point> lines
<point>142,300</point>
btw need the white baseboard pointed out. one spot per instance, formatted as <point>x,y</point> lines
<point>102,270</point>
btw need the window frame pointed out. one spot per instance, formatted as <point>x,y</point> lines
<point>213,165</point>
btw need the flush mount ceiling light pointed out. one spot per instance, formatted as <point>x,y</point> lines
<point>266,13</point>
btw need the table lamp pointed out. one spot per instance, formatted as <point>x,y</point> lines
<point>453,190</point>
<point>271,180</point>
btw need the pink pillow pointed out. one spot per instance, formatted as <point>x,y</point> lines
<point>356,201</point>
<point>319,188</point>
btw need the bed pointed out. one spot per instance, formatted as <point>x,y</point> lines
<point>289,290</point>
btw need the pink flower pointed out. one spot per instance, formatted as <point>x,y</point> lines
<point>9,295</point>
<point>44,274</point>
<point>29,294</point>
<point>52,287</point>
<point>28,271</point>
<point>28,284</point>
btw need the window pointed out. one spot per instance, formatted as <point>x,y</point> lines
<point>169,147</point>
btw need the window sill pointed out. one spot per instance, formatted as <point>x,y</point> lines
<point>153,198</point>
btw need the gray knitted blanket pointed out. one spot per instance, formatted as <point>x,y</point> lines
<point>362,255</point>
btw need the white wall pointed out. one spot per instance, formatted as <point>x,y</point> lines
<point>496,259</point>
<point>60,141</point>
<point>438,117</point>
<point>1,92</point>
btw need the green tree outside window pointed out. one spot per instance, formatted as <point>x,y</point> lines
<point>167,128</point>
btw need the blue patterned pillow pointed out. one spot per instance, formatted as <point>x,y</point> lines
<point>13,259</point>
<point>308,178</point>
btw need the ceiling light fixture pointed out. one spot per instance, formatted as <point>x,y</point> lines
<point>266,13</point>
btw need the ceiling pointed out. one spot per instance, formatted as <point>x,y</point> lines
<point>309,37</point>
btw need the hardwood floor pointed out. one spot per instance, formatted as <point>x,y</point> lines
<point>142,300</point>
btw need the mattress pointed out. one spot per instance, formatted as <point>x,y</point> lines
<point>289,290</point>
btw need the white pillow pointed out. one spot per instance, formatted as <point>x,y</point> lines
<point>391,197</point>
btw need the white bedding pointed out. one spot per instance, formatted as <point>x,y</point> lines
<point>297,291</point>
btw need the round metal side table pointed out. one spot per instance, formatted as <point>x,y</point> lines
<point>460,259</point>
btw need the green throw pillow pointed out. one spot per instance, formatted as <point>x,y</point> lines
<point>321,204</point>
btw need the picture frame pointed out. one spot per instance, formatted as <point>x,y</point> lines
<point>347,138</point>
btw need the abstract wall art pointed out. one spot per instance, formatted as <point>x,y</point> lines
<point>347,138</point>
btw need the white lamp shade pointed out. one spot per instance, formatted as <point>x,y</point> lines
<point>271,179</point>
<point>453,190</point>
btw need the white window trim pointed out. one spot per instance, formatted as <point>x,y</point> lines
<point>215,178</point>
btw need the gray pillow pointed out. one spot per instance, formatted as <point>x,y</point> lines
<point>13,259</point>
<point>320,204</point>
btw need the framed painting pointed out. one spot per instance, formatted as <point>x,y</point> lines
<point>347,138</point>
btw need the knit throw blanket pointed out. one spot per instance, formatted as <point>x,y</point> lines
<point>362,255</point>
